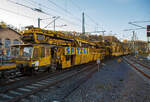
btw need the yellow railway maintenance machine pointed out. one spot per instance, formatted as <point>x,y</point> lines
<point>119,49</point>
<point>45,50</point>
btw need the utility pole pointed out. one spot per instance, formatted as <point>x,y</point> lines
<point>83,24</point>
<point>103,35</point>
<point>39,20</point>
<point>55,18</point>
<point>54,25</point>
<point>54,22</point>
<point>133,39</point>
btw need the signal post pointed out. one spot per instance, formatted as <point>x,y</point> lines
<point>148,38</point>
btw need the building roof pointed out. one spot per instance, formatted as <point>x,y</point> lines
<point>3,29</point>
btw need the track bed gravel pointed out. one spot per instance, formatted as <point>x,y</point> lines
<point>116,82</point>
<point>142,59</point>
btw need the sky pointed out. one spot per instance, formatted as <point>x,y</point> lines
<point>109,15</point>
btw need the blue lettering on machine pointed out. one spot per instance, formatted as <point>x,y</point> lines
<point>76,51</point>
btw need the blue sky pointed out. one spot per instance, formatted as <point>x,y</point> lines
<point>110,15</point>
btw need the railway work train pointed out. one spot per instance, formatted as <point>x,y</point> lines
<point>51,50</point>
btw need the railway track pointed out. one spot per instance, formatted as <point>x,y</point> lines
<point>137,61</point>
<point>84,78</point>
<point>11,84</point>
<point>19,92</point>
<point>12,80</point>
<point>142,68</point>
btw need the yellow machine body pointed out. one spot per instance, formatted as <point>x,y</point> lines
<point>53,49</point>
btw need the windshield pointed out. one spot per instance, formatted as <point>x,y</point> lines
<point>27,51</point>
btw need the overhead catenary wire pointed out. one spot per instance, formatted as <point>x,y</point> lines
<point>42,5</point>
<point>141,21</point>
<point>16,13</point>
<point>91,19</point>
<point>133,29</point>
<point>43,12</point>
<point>81,10</point>
<point>34,9</point>
<point>136,25</point>
<point>77,6</point>
<point>46,13</point>
<point>51,9</point>
<point>79,20</point>
<point>65,10</point>
<point>59,6</point>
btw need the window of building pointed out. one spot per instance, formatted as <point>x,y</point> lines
<point>16,42</point>
<point>7,43</point>
<point>8,52</point>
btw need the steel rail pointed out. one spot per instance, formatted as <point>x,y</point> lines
<point>136,68</point>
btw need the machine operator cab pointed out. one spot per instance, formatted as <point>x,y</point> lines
<point>31,56</point>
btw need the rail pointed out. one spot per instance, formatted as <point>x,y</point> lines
<point>136,65</point>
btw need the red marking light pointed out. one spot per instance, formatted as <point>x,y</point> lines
<point>148,27</point>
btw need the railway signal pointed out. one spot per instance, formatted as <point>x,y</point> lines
<point>148,30</point>
<point>148,37</point>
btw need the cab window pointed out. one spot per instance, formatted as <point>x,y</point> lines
<point>35,53</point>
<point>42,52</point>
<point>47,52</point>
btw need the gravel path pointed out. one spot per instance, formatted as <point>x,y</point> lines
<point>116,82</point>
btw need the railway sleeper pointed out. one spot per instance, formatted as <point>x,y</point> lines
<point>9,74</point>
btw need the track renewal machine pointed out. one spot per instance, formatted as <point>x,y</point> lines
<point>46,50</point>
